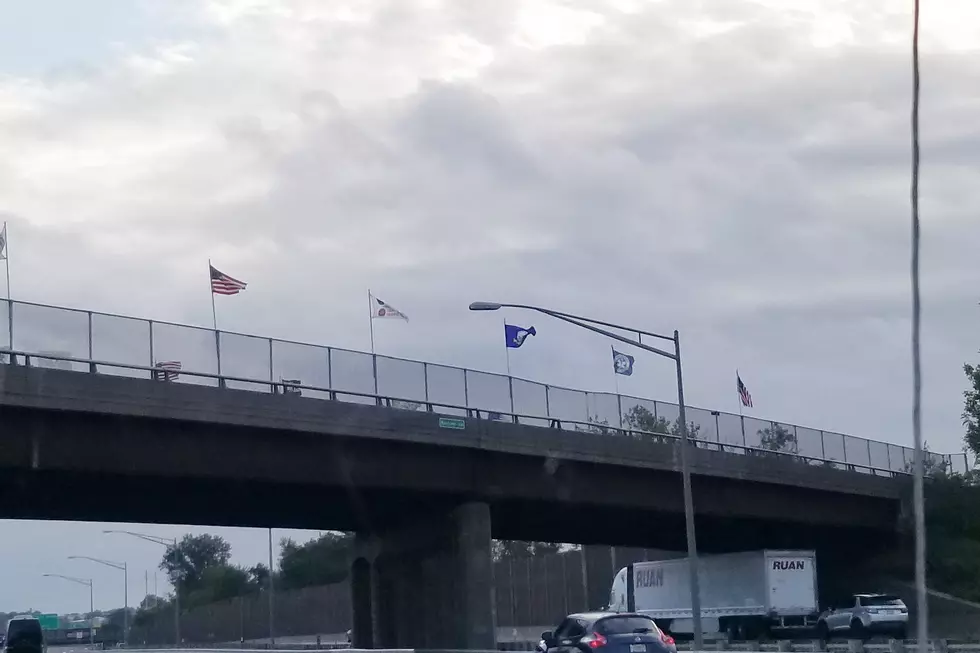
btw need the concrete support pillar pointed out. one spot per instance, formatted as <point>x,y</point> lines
<point>362,602</point>
<point>598,573</point>
<point>475,569</point>
<point>429,585</point>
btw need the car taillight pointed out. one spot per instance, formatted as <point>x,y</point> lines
<point>666,639</point>
<point>594,640</point>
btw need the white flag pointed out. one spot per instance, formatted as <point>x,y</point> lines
<point>3,242</point>
<point>381,309</point>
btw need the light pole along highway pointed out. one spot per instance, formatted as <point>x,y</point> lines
<point>122,567</point>
<point>167,542</point>
<point>594,325</point>
<point>91,602</point>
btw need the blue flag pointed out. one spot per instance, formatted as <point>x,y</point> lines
<point>515,335</point>
<point>622,363</point>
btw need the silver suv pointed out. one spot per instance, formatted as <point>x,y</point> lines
<point>865,615</point>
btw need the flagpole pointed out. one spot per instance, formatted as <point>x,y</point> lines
<point>10,304</point>
<point>507,349</point>
<point>374,357</point>
<point>737,378</point>
<point>214,312</point>
<point>615,375</point>
<point>214,322</point>
<point>371,319</point>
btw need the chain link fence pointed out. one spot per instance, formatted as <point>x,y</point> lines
<point>126,346</point>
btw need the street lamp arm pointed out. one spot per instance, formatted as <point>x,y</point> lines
<point>572,319</point>
<point>108,563</point>
<point>87,582</point>
<point>488,306</point>
<point>149,538</point>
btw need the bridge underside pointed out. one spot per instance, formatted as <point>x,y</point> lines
<point>425,502</point>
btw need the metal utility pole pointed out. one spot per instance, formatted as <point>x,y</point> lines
<point>167,542</point>
<point>272,595</point>
<point>91,602</point>
<point>121,566</point>
<point>593,325</point>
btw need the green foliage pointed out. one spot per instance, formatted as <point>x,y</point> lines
<point>641,419</point>
<point>777,438</point>
<point>218,582</point>
<point>186,563</point>
<point>520,550</point>
<point>971,409</point>
<point>320,561</point>
<point>953,531</point>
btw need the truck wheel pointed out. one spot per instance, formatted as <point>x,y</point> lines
<point>823,632</point>
<point>858,631</point>
<point>733,631</point>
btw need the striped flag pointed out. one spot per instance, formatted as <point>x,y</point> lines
<point>3,242</point>
<point>222,284</point>
<point>743,392</point>
<point>169,370</point>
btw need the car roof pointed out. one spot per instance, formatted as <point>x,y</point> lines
<point>876,595</point>
<point>595,616</point>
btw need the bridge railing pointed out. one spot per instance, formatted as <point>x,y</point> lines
<point>126,346</point>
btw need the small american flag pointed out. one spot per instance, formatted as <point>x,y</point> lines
<point>169,370</point>
<point>743,392</point>
<point>291,386</point>
<point>222,284</point>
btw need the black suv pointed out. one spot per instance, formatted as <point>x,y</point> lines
<point>24,636</point>
<point>607,632</point>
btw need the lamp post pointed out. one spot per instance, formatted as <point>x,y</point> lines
<point>121,566</point>
<point>167,542</point>
<point>91,602</point>
<point>594,326</point>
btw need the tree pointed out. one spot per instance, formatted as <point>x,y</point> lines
<point>777,438</point>
<point>971,409</point>
<point>640,418</point>
<point>259,575</point>
<point>217,583</point>
<point>186,563</point>
<point>320,561</point>
<point>520,550</point>
<point>596,425</point>
<point>932,465</point>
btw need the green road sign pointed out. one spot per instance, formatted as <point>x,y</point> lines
<point>451,423</point>
<point>48,621</point>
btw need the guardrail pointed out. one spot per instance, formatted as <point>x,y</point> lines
<point>121,345</point>
<point>796,646</point>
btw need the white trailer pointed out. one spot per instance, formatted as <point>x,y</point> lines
<point>744,595</point>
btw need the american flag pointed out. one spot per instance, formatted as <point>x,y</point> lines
<point>169,370</point>
<point>743,392</point>
<point>222,284</point>
<point>291,386</point>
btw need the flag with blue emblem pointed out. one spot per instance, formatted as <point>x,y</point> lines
<point>622,363</point>
<point>516,335</point>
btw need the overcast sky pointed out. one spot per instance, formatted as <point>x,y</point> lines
<point>736,170</point>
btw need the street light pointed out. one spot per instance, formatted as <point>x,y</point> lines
<point>125,571</point>
<point>91,602</point>
<point>591,325</point>
<point>167,542</point>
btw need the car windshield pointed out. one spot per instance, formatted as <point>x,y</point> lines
<point>625,625</point>
<point>882,601</point>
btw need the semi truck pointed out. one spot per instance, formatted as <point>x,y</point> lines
<point>743,595</point>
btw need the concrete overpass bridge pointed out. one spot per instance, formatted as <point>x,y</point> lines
<point>424,481</point>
